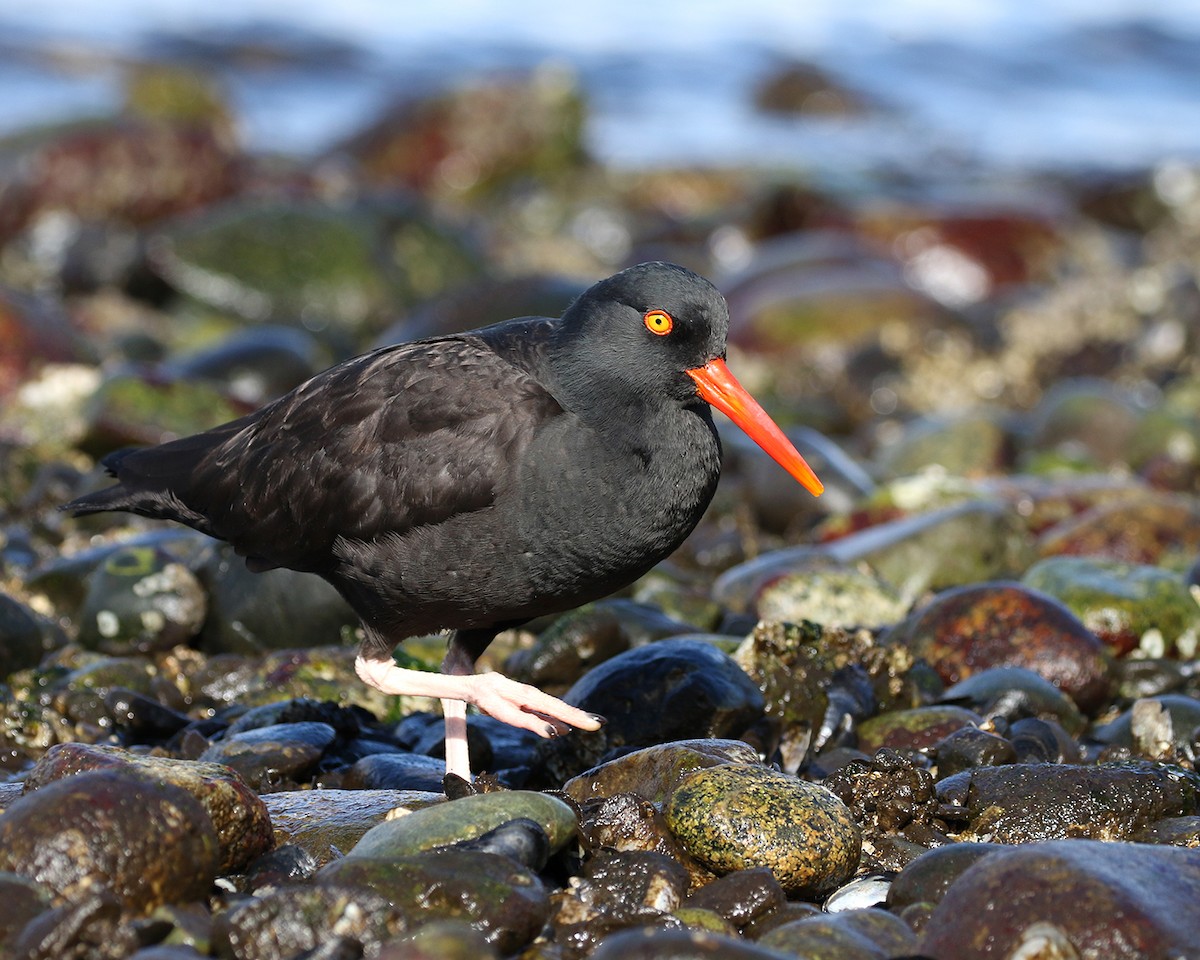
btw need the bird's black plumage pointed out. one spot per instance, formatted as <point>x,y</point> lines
<point>468,482</point>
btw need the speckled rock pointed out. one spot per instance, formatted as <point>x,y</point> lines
<point>832,598</point>
<point>147,843</point>
<point>1003,624</point>
<point>653,772</point>
<point>1119,901</point>
<point>503,900</point>
<point>616,889</point>
<point>1022,803</point>
<point>292,920</point>
<point>913,729</point>
<point>466,819</point>
<point>737,816</point>
<point>1127,605</point>
<point>141,600</point>
<point>240,817</point>
<point>850,935</point>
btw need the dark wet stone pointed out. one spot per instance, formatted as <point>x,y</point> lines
<point>93,927</point>
<point>1013,693</point>
<point>396,771</point>
<point>583,638</point>
<point>1126,605</point>
<point>522,840</point>
<point>1022,803</point>
<point>1155,725</point>
<point>142,719</point>
<point>1043,741</point>
<point>266,754</point>
<point>971,747</point>
<point>239,816</point>
<point>22,639</point>
<point>927,878</point>
<point>466,819</point>
<point>914,729</point>
<point>887,794</point>
<point>286,865</point>
<point>140,600</point>
<point>850,935</point>
<point>625,821</point>
<point>1173,831</point>
<point>21,899</point>
<point>741,896</point>
<point>502,899</point>
<point>1120,901</point>
<point>737,816</point>
<point>343,267</point>
<point>328,823</point>
<point>475,139</point>
<point>276,610</point>
<point>653,772</point>
<point>656,944</point>
<point>616,889</point>
<point>1154,529</point>
<point>1001,624</point>
<point>670,690</point>
<point>148,843</point>
<point>289,921</point>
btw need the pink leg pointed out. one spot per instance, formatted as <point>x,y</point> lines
<point>517,704</point>
<point>458,759</point>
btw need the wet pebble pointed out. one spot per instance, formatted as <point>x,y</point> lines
<point>1152,529</point>
<point>292,920</point>
<point>1013,693</point>
<point>1096,899</point>
<point>328,823</point>
<point>915,729</point>
<point>736,816</point>
<point>23,641</point>
<point>283,751</point>
<point>1023,803</point>
<point>146,842</point>
<point>851,935</point>
<point>741,897</point>
<point>502,899</point>
<point>239,816</point>
<point>670,690</point>
<point>465,819</point>
<point>651,943</point>
<point>1154,726</point>
<point>1128,606</point>
<point>653,772</point>
<point>396,771</point>
<point>963,631</point>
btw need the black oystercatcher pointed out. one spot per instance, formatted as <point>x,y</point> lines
<point>476,481</point>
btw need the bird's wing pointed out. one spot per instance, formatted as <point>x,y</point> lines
<point>401,437</point>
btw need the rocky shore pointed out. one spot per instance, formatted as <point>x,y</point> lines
<point>951,709</point>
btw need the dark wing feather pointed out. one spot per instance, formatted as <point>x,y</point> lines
<point>401,437</point>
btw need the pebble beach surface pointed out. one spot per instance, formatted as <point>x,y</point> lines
<point>950,710</point>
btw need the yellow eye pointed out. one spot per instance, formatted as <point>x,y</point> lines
<point>658,322</point>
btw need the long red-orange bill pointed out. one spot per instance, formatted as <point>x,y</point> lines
<point>719,387</point>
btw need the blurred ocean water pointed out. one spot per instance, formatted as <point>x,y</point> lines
<point>984,85</point>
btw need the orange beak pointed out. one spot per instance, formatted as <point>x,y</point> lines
<point>717,385</point>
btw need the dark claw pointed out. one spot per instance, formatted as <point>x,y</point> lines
<point>599,719</point>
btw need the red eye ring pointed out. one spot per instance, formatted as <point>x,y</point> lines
<point>658,322</point>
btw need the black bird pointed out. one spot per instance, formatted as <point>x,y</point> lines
<point>476,481</point>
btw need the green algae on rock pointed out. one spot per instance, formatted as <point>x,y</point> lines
<point>736,816</point>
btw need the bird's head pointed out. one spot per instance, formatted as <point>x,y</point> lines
<point>655,333</point>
